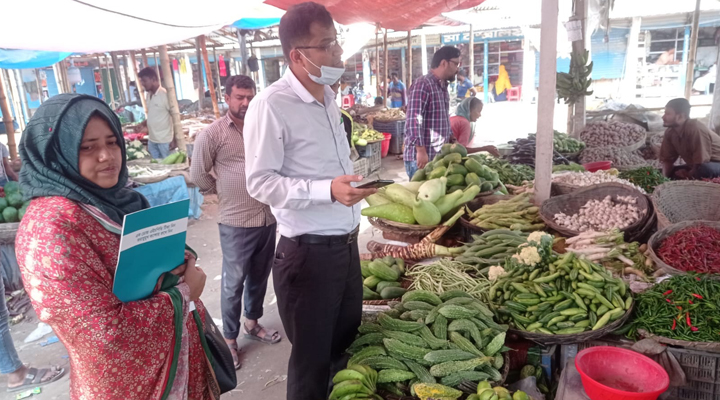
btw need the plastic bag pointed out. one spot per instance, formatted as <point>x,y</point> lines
<point>529,386</point>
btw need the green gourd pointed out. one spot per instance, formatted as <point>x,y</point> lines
<point>392,212</point>
<point>399,194</point>
<point>426,213</point>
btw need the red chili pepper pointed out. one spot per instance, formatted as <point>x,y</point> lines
<point>668,292</point>
<point>696,295</point>
<point>687,319</point>
<point>690,302</point>
<point>694,328</point>
<point>674,324</point>
<point>668,300</point>
<point>679,308</point>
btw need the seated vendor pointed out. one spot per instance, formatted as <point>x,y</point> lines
<point>698,146</point>
<point>462,125</point>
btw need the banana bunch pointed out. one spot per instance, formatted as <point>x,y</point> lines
<point>574,85</point>
<point>355,382</point>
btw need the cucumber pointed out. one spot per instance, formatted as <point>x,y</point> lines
<point>391,292</point>
<point>383,284</point>
<point>369,294</point>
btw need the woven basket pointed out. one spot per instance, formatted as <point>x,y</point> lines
<point>659,237</point>
<point>702,346</point>
<point>571,204</point>
<point>643,234</point>
<point>559,188</point>
<point>548,340</point>
<point>679,201</point>
<point>407,230</point>
<point>474,205</point>
<point>635,146</point>
<point>8,231</point>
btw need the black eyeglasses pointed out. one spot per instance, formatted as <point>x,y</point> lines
<point>326,47</point>
<point>457,63</point>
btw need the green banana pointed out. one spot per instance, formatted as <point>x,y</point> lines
<point>345,388</point>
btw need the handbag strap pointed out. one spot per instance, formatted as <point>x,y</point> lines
<point>201,332</point>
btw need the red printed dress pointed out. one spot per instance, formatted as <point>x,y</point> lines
<point>117,350</point>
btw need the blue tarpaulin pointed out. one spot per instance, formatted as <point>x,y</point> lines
<point>171,190</point>
<point>29,59</point>
<point>255,23</point>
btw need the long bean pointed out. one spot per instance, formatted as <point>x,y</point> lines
<point>446,274</point>
<point>684,307</point>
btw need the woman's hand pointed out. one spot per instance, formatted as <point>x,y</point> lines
<point>195,279</point>
<point>180,271</point>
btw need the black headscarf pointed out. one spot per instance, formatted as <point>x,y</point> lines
<point>49,150</point>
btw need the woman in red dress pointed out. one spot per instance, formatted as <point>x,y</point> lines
<point>67,245</point>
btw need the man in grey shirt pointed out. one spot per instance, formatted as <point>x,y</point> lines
<point>298,162</point>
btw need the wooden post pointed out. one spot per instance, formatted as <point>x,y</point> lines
<point>110,86</point>
<point>471,73</point>
<point>208,74</point>
<point>39,84</point>
<point>118,79</point>
<point>143,54</point>
<point>126,74</point>
<point>7,120</point>
<point>715,109</point>
<point>201,84</point>
<point>546,100</point>
<point>408,82</point>
<point>58,77</point>
<point>243,51</point>
<point>157,64</point>
<point>141,89</point>
<point>169,86</point>
<point>66,81</point>
<point>423,52</point>
<point>631,61</point>
<point>22,97</point>
<point>377,61</point>
<point>578,46</point>
<point>385,69</point>
<point>217,74</point>
<point>690,72</point>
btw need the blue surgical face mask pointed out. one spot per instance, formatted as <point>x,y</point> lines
<point>328,75</point>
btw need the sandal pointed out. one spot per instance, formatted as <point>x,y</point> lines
<point>235,351</point>
<point>34,377</point>
<point>271,336</point>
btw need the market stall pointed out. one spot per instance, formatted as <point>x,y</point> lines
<point>496,295</point>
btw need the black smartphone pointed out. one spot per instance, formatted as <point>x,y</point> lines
<point>376,184</point>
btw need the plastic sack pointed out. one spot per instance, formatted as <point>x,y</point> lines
<point>529,386</point>
<point>171,190</point>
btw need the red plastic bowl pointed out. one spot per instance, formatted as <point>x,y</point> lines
<point>597,166</point>
<point>619,374</point>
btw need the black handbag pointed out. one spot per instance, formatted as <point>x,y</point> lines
<point>221,361</point>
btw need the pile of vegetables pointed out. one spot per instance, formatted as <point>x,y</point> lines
<point>429,338</point>
<point>610,249</point>
<point>619,157</point>
<point>512,174</point>
<point>362,134</point>
<point>134,150</point>
<point>381,278</point>
<point>564,144</point>
<point>602,215</point>
<point>524,153</point>
<point>611,134</point>
<point>356,382</point>
<point>582,179</point>
<point>544,293</point>
<point>647,178</point>
<point>575,84</point>
<point>491,248</point>
<point>435,391</point>
<point>517,213</point>
<point>683,307</point>
<point>696,249</point>
<point>390,114</point>
<point>446,275</point>
<point>136,171</point>
<point>572,167</point>
<point>460,170</point>
<point>422,203</point>
<point>12,208</point>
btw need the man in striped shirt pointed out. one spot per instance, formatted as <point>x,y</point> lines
<point>428,110</point>
<point>247,227</point>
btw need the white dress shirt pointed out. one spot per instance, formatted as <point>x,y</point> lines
<point>294,147</point>
<point>159,120</point>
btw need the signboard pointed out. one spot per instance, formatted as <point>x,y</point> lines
<point>464,37</point>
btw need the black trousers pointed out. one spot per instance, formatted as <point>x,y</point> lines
<point>319,291</point>
<point>707,170</point>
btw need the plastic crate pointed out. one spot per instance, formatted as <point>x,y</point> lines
<point>361,167</point>
<point>702,370</point>
<point>369,150</point>
<point>394,128</point>
<point>375,162</point>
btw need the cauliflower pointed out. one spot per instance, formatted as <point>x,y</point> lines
<point>496,272</point>
<point>530,256</point>
<point>537,236</point>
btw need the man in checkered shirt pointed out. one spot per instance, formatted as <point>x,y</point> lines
<point>428,110</point>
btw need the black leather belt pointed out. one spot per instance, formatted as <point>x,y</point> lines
<point>327,240</point>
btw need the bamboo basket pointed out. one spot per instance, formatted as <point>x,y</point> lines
<point>702,346</point>
<point>643,234</point>
<point>679,201</point>
<point>548,340</point>
<point>659,236</point>
<point>400,233</point>
<point>571,204</point>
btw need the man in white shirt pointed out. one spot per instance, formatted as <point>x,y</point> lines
<point>298,162</point>
<point>159,120</point>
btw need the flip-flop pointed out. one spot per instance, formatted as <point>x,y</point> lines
<point>267,339</point>
<point>236,355</point>
<point>34,377</point>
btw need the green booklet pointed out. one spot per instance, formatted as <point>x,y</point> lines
<point>152,243</point>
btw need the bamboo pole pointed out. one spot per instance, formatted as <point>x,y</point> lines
<point>143,54</point>
<point>126,75</point>
<point>39,84</point>
<point>471,73</point>
<point>690,71</point>
<point>58,77</point>
<point>7,120</point>
<point>217,73</point>
<point>208,74</point>
<point>169,86</point>
<point>110,84</point>
<point>141,89</point>
<point>116,68</point>
<point>201,84</point>
<point>408,82</point>
<point>157,64</point>
<point>66,81</point>
<point>22,96</point>
<point>579,47</point>
<point>385,67</point>
<point>377,62</point>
